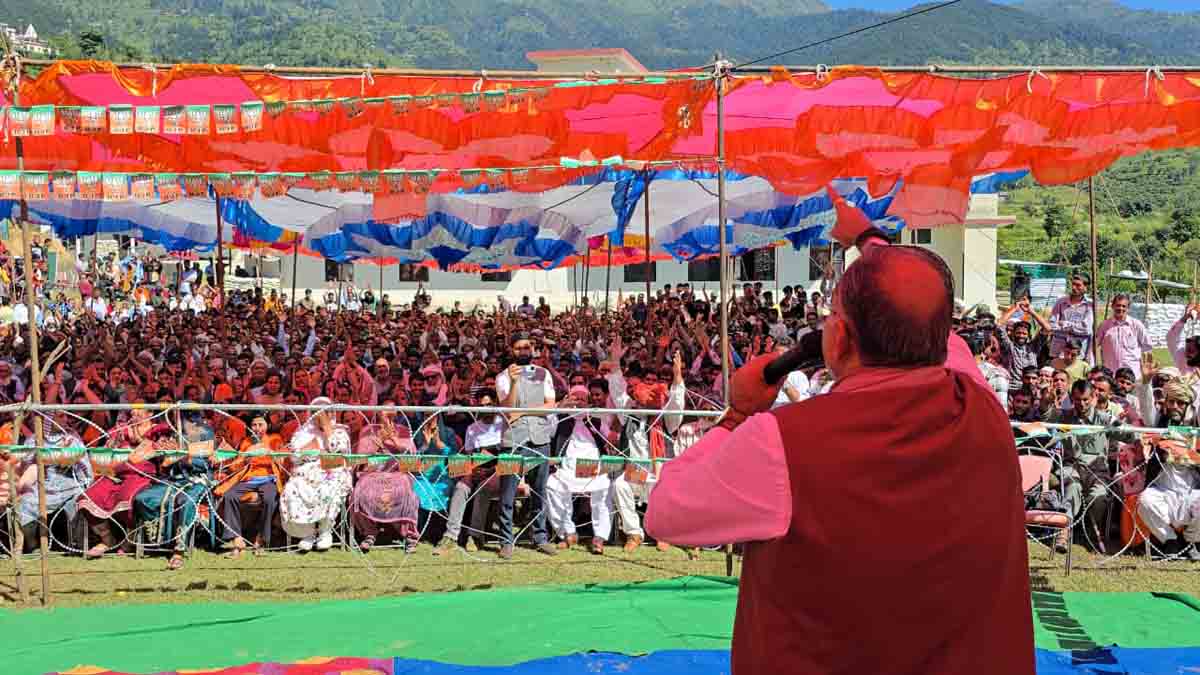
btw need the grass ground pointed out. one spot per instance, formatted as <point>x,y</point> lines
<point>347,575</point>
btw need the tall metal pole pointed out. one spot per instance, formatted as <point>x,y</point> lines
<point>295,255</point>
<point>646,211</point>
<point>1096,273</point>
<point>721,231</point>
<point>220,253</point>
<point>587,271</point>
<point>36,364</point>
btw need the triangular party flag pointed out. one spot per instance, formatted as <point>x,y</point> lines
<point>244,183</point>
<point>92,118</point>
<point>447,100</point>
<point>369,182</point>
<point>471,177</point>
<point>225,118</point>
<point>10,184</point>
<point>168,186</point>
<point>41,120</point>
<point>323,105</point>
<point>91,185</point>
<point>396,180</point>
<point>493,100</point>
<point>64,185</point>
<point>400,104</point>
<point>146,119</point>
<point>141,186</point>
<point>275,108</point>
<point>173,120</point>
<point>222,184</point>
<point>353,107</point>
<point>420,102</point>
<point>120,119</point>
<point>271,185</point>
<point>70,119</point>
<point>198,117</point>
<point>421,181</point>
<point>320,179</point>
<point>470,103</point>
<point>497,179</point>
<point>252,116</point>
<point>35,185</point>
<point>347,181</point>
<point>116,187</point>
<point>18,121</point>
<point>587,468</point>
<point>519,176</point>
<point>195,184</point>
<point>292,179</point>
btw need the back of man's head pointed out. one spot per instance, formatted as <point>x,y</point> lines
<point>898,301</point>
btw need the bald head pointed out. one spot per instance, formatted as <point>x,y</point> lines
<point>898,301</point>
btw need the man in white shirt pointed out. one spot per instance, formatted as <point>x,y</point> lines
<point>581,438</point>
<point>524,385</point>
<point>483,436</point>
<point>97,306</point>
<point>796,387</point>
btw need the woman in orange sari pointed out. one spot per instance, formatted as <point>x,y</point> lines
<point>255,470</point>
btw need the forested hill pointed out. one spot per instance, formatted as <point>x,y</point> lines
<point>662,33</point>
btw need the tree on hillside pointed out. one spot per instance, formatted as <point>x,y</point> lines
<point>1055,219</point>
<point>1183,226</point>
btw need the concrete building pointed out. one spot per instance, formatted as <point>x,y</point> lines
<point>27,41</point>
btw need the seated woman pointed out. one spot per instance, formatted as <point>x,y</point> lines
<point>313,496</point>
<point>169,508</point>
<point>64,483</point>
<point>255,470</point>
<point>384,497</point>
<point>111,497</point>
<point>433,484</point>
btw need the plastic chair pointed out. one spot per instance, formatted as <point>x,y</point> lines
<point>1036,469</point>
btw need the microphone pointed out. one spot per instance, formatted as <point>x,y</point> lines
<point>806,353</point>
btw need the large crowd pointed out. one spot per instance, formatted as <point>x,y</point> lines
<point>132,336</point>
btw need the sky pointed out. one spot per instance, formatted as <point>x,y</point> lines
<point>895,5</point>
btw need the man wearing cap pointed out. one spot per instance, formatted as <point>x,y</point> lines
<point>1123,339</point>
<point>1072,317</point>
<point>1171,500</point>
<point>524,385</point>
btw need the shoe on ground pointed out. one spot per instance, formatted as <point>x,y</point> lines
<point>506,552</point>
<point>571,540</point>
<point>366,544</point>
<point>472,545</point>
<point>547,548</point>
<point>306,544</point>
<point>1192,553</point>
<point>324,541</point>
<point>445,547</point>
<point>1168,550</point>
<point>692,552</point>
<point>632,543</point>
<point>662,547</point>
<point>597,546</point>
<point>411,546</point>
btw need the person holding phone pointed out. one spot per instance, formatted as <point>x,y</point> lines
<point>524,385</point>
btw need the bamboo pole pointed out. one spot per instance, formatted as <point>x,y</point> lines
<point>379,300</point>
<point>1095,271</point>
<point>1149,285</point>
<point>587,270</point>
<point>1192,292</point>
<point>220,253</point>
<point>646,211</point>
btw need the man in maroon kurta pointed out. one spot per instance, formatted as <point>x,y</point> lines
<point>884,521</point>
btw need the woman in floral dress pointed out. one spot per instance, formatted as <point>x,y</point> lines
<point>314,496</point>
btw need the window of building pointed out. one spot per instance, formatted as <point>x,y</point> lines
<point>922,236</point>
<point>708,269</point>
<point>335,271</point>
<point>756,265</point>
<point>637,272</point>
<point>414,273</point>
<point>496,277</point>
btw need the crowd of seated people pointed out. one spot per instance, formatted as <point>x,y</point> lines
<point>134,339</point>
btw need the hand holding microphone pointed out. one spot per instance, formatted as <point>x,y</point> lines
<point>755,386</point>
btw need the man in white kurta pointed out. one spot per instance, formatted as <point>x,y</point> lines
<point>582,442</point>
